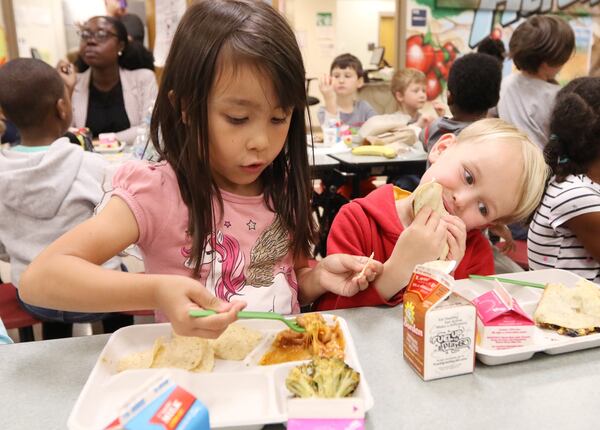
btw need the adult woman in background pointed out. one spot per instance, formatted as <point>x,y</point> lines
<point>114,94</point>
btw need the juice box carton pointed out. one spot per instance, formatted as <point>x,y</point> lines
<point>439,326</point>
<point>162,405</point>
<point>501,322</point>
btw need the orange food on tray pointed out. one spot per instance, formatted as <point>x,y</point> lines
<point>319,340</point>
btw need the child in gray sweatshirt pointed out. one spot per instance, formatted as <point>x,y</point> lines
<point>47,185</point>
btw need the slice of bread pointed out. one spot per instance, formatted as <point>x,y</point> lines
<point>575,310</point>
<point>430,194</point>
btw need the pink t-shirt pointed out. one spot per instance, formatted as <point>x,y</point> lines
<point>248,256</point>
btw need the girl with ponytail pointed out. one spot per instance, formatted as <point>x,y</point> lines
<point>566,226</point>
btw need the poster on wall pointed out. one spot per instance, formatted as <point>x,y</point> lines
<point>325,34</point>
<point>438,31</point>
<point>167,20</point>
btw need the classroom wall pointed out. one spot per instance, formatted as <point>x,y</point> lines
<point>316,51</point>
<point>315,47</point>
<point>358,25</point>
<point>39,24</point>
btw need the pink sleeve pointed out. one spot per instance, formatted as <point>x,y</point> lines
<point>143,188</point>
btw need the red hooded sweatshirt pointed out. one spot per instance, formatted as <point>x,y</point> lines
<point>371,224</point>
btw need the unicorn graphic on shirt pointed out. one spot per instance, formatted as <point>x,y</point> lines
<point>264,285</point>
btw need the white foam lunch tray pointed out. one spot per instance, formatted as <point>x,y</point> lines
<point>238,394</point>
<point>101,149</point>
<point>544,340</point>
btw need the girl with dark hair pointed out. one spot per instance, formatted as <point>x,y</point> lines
<point>566,227</point>
<point>225,216</point>
<point>114,94</point>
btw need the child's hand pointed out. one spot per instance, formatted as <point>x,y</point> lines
<point>457,238</point>
<point>66,71</point>
<point>439,107</point>
<point>326,87</point>
<point>424,121</point>
<point>343,274</point>
<point>178,294</point>
<point>503,232</point>
<point>419,243</point>
<point>422,241</point>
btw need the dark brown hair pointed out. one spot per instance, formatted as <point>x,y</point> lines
<point>29,90</point>
<point>575,128</point>
<point>541,39</point>
<point>345,61</point>
<point>232,32</point>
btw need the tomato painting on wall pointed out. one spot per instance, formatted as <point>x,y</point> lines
<point>432,58</point>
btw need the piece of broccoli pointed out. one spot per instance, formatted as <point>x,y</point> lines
<point>300,381</point>
<point>323,377</point>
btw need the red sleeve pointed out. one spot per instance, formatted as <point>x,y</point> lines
<point>350,233</point>
<point>347,235</point>
<point>478,259</point>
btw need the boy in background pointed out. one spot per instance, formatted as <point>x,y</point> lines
<point>409,88</point>
<point>47,185</point>
<point>340,88</point>
<point>493,47</point>
<point>473,88</point>
<point>539,48</point>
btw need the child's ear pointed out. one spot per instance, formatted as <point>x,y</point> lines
<point>63,109</point>
<point>399,96</point>
<point>446,141</point>
<point>173,101</point>
<point>450,98</point>
<point>360,82</point>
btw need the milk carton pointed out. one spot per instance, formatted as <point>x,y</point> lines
<point>162,404</point>
<point>501,322</point>
<point>439,326</point>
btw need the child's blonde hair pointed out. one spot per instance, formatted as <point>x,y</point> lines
<point>534,172</point>
<point>404,77</point>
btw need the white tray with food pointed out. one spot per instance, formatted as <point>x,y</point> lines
<point>108,148</point>
<point>239,392</point>
<point>565,309</point>
<point>107,143</point>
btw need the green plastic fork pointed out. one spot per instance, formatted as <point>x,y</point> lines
<point>509,281</point>
<point>198,313</point>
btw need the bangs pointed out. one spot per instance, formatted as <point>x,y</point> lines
<point>237,53</point>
